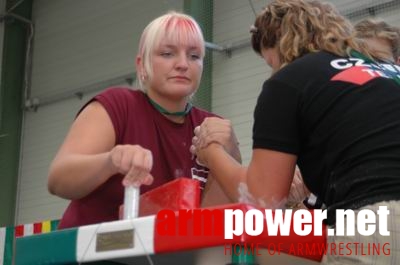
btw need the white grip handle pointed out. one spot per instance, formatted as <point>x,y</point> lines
<point>131,202</point>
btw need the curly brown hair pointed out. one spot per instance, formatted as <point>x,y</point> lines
<point>298,27</point>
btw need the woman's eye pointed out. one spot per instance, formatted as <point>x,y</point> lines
<point>166,54</point>
<point>195,56</point>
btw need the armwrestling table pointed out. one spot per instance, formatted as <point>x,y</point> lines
<point>134,241</point>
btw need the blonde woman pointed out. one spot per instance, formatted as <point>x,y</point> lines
<point>142,136</point>
<point>333,108</point>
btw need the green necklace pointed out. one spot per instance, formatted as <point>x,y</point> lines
<point>166,112</point>
<point>376,65</point>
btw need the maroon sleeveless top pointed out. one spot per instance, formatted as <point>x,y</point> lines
<point>136,121</point>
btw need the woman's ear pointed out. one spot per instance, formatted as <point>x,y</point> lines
<point>140,68</point>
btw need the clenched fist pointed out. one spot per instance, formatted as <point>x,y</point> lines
<point>133,161</point>
<point>215,130</point>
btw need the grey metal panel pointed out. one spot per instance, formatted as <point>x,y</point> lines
<point>81,42</point>
<point>237,79</point>
<point>44,132</point>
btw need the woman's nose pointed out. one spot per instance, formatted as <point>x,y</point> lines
<point>182,62</point>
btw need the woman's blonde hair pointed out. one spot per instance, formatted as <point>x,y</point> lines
<point>377,28</point>
<point>298,27</point>
<point>174,26</point>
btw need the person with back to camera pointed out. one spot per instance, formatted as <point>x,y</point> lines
<point>381,37</point>
<point>134,137</point>
<point>384,39</point>
<point>332,106</point>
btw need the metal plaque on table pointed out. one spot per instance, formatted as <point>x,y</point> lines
<point>115,240</point>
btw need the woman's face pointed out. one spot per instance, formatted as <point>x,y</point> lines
<point>177,69</point>
<point>271,57</point>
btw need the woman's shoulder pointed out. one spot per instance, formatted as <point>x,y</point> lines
<point>122,92</point>
<point>313,66</point>
<point>119,95</point>
<point>311,62</point>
